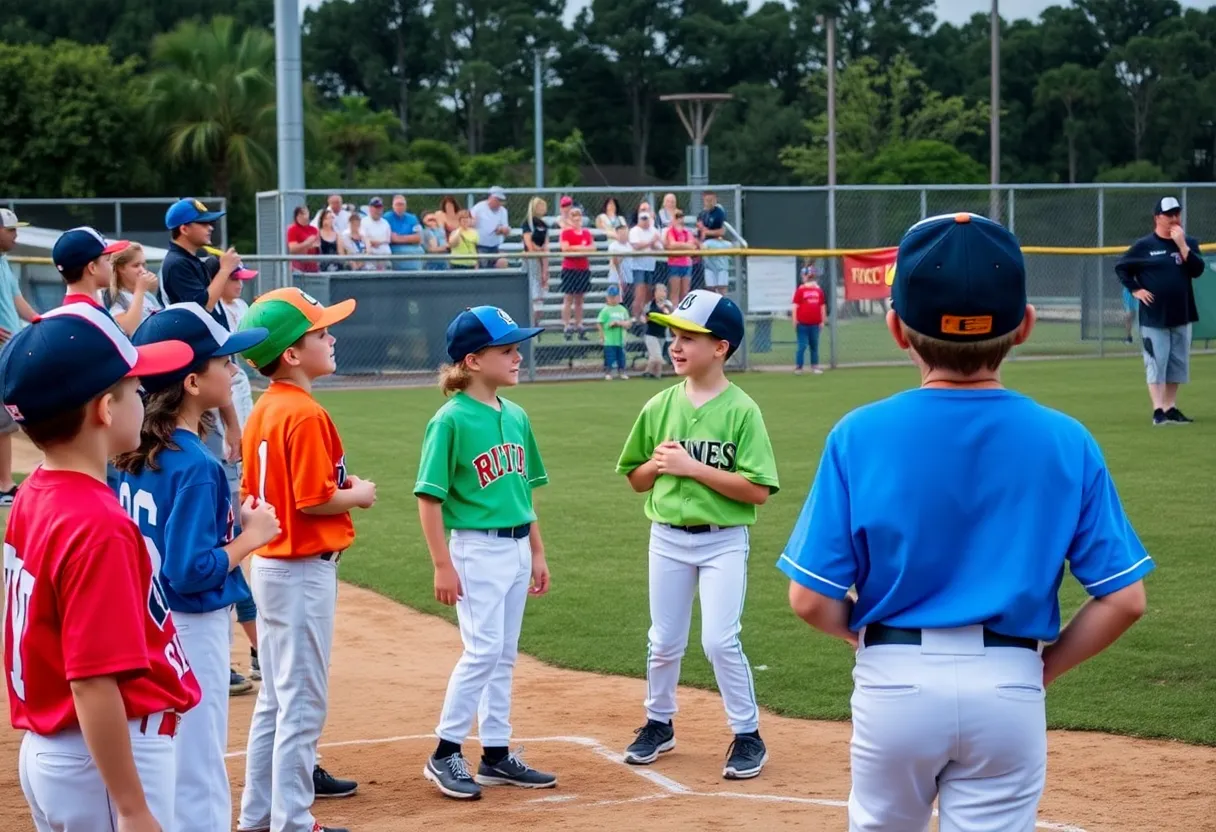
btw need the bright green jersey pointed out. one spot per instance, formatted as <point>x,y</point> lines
<point>481,463</point>
<point>726,432</point>
<point>614,336</point>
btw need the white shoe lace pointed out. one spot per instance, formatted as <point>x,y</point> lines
<point>514,757</point>
<point>458,767</point>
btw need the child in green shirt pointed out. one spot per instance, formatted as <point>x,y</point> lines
<point>614,320</point>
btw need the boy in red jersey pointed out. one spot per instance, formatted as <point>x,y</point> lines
<point>808,315</point>
<point>95,672</point>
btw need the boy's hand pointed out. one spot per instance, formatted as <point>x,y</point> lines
<point>259,521</point>
<point>364,491</point>
<point>140,822</point>
<point>447,585</point>
<point>671,458</point>
<point>540,576</point>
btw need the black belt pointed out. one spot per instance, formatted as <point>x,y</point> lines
<point>332,556</point>
<point>882,634</point>
<point>513,532</point>
<point>702,529</point>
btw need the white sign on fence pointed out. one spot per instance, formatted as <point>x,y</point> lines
<point>770,283</point>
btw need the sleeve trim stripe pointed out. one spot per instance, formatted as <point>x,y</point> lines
<point>809,573</point>
<point>424,483</point>
<point>1118,575</point>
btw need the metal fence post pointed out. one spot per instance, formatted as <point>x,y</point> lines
<point>1012,229</point>
<point>1101,274</point>
<point>118,219</point>
<point>833,270</point>
<point>1185,217</point>
<point>224,224</point>
<point>924,203</point>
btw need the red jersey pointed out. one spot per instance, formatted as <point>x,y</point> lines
<point>297,233</point>
<point>81,297</point>
<point>576,237</point>
<point>808,303</point>
<point>82,602</point>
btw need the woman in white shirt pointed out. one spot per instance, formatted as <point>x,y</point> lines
<point>132,293</point>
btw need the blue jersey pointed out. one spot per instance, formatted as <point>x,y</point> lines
<point>184,511</point>
<point>950,508</point>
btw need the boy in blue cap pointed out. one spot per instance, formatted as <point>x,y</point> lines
<point>82,257</point>
<point>952,510</point>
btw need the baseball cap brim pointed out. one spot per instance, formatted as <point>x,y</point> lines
<point>243,340</point>
<point>17,225</point>
<point>677,323</point>
<point>209,216</point>
<point>115,246</point>
<point>245,274</point>
<point>161,357</point>
<point>335,314</point>
<point>516,336</point>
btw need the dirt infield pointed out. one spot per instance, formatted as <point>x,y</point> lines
<point>390,668</point>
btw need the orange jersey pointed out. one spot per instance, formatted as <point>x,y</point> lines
<point>293,459</point>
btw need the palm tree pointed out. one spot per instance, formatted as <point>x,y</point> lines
<point>212,95</point>
<point>357,133</point>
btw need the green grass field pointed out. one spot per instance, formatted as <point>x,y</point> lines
<point>1159,681</point>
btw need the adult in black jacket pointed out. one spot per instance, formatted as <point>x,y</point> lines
<point>1158,270</point>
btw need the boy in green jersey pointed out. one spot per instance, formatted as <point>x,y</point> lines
<point>614,320</point>
<point>701,451</point>
<point>479,466</point>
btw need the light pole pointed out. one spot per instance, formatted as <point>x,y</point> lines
<point>538,120</point>
<point>994,210</point>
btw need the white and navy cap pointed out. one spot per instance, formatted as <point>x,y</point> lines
<point>71,355</point>
<point>1167,205</point>
<point>191,324</point>
<point>708,313</point>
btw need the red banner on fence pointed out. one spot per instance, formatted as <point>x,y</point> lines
<point>865,275</point>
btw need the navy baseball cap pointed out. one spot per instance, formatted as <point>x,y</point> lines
<point>78,247</point>
<point>959,277</point>
<point>1167,205</point>
<point>186,211</point>
<point>614,290</point>
<point>71,355</point>
<point>191,324</point>
<point>708,313</point>
<point>479,327</point>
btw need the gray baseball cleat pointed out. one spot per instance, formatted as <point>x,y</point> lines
<point>513,771</point>
<point>746,757</point>
<point>451,775</point>
<point>654,738</point>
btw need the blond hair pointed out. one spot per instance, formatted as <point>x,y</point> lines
<point>119,260</point>
<point>964,358</point>
<point>532,203</point>
<point>454,377</point>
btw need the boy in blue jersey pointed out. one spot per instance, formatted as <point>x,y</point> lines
<point>176,491</point>
<point>952,510</point>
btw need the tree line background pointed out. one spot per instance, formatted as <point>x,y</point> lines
<point>152,99</point>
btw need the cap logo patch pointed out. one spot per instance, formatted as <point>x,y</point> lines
<point>310,298</point>
<point>966,324</point>
<point>687,303</point>
<point>506,318</point>
<point>200,207</point>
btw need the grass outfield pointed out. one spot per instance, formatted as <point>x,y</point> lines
<point>1158,681</point>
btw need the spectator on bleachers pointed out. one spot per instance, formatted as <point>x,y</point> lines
<point>620,272</point>
<point>610,218</point>
<point>643,208</point>
<point>132,293</point>
<point>352,243</point>
<point>613,320</point>
<point>405,234</point>
<point>711,231</point>
<point>668,212</point>
<point>679,268</point>
<point>341,213</point>
<point>563,213</point>
<point>535,231</point>
<point>463,241</point>
<point>377,232</point>
<point>329,239</point>
<point>434,240</point>
<point>303,238</point>
<point>490,220</point>
<point>450,209</point>
<point>656,334</point>
<point>576,243</point>
<point>647,239</point>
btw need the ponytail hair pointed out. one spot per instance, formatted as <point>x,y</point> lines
<point>161,411</point>
<point>453,378</point>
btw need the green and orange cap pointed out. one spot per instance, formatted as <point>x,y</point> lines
<point>287,314</point>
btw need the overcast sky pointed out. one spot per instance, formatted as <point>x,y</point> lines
<point>953,11</point>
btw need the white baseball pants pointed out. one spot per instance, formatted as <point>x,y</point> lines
<point>715,563</point>
<point>297,599</point>
<point>204,799</point>
<point>64,788</point>
<point>494,575</point>
<point>949,719</point>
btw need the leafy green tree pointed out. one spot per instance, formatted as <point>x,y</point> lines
<point>920,161</point>
<point>1072,88</point>
<point>357,134</point>
<point>1140,171</point>
<point>562,158</point>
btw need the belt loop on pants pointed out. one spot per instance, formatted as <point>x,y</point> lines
<point>163,723</point>
<point>879,633</point>
<point>335,557</point>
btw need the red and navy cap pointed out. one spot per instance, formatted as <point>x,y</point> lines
<point>193,325</point>
<point>484,326</point>
<point>959,277</point>
<point>78,247</point>
<point>71,355</point>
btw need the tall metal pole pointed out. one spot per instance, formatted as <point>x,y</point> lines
<point>538,120</point>
<point>833,264</point>
<point>290,115</point>
<point>994,129</point>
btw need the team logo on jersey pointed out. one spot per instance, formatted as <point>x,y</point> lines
<point>711,452</point>
<point>1177,258</point>
<point>499,461</point>
<point>506,318</point>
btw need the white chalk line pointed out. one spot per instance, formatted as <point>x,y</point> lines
<point>671,788</point>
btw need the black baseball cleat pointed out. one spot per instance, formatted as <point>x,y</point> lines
<point>513,771</point>
<point>1175,416</point>
<point>1159,418</point>
<point>326,785</point>
<point>451,775</point>
<point>745,758</point>
<point>654,738</point>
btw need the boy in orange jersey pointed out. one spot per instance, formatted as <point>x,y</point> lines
<point>293,458</point>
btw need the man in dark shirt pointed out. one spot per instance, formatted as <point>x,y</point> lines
<point>711,231</point>
<point>1158,270</point>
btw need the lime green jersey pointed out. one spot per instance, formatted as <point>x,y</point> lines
<point>726,432</point>
<point>614,336</point>
<point>481,463</point>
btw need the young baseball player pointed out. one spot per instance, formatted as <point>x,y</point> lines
<point>613,321</point>
<point>807,313</point>
<point>952,510</point>
<point>479,465</point>
<point>176,492</point>
<point>82,257</point>
<point>96,674</point>
<point>293,459</point>
<point>702,454</point>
